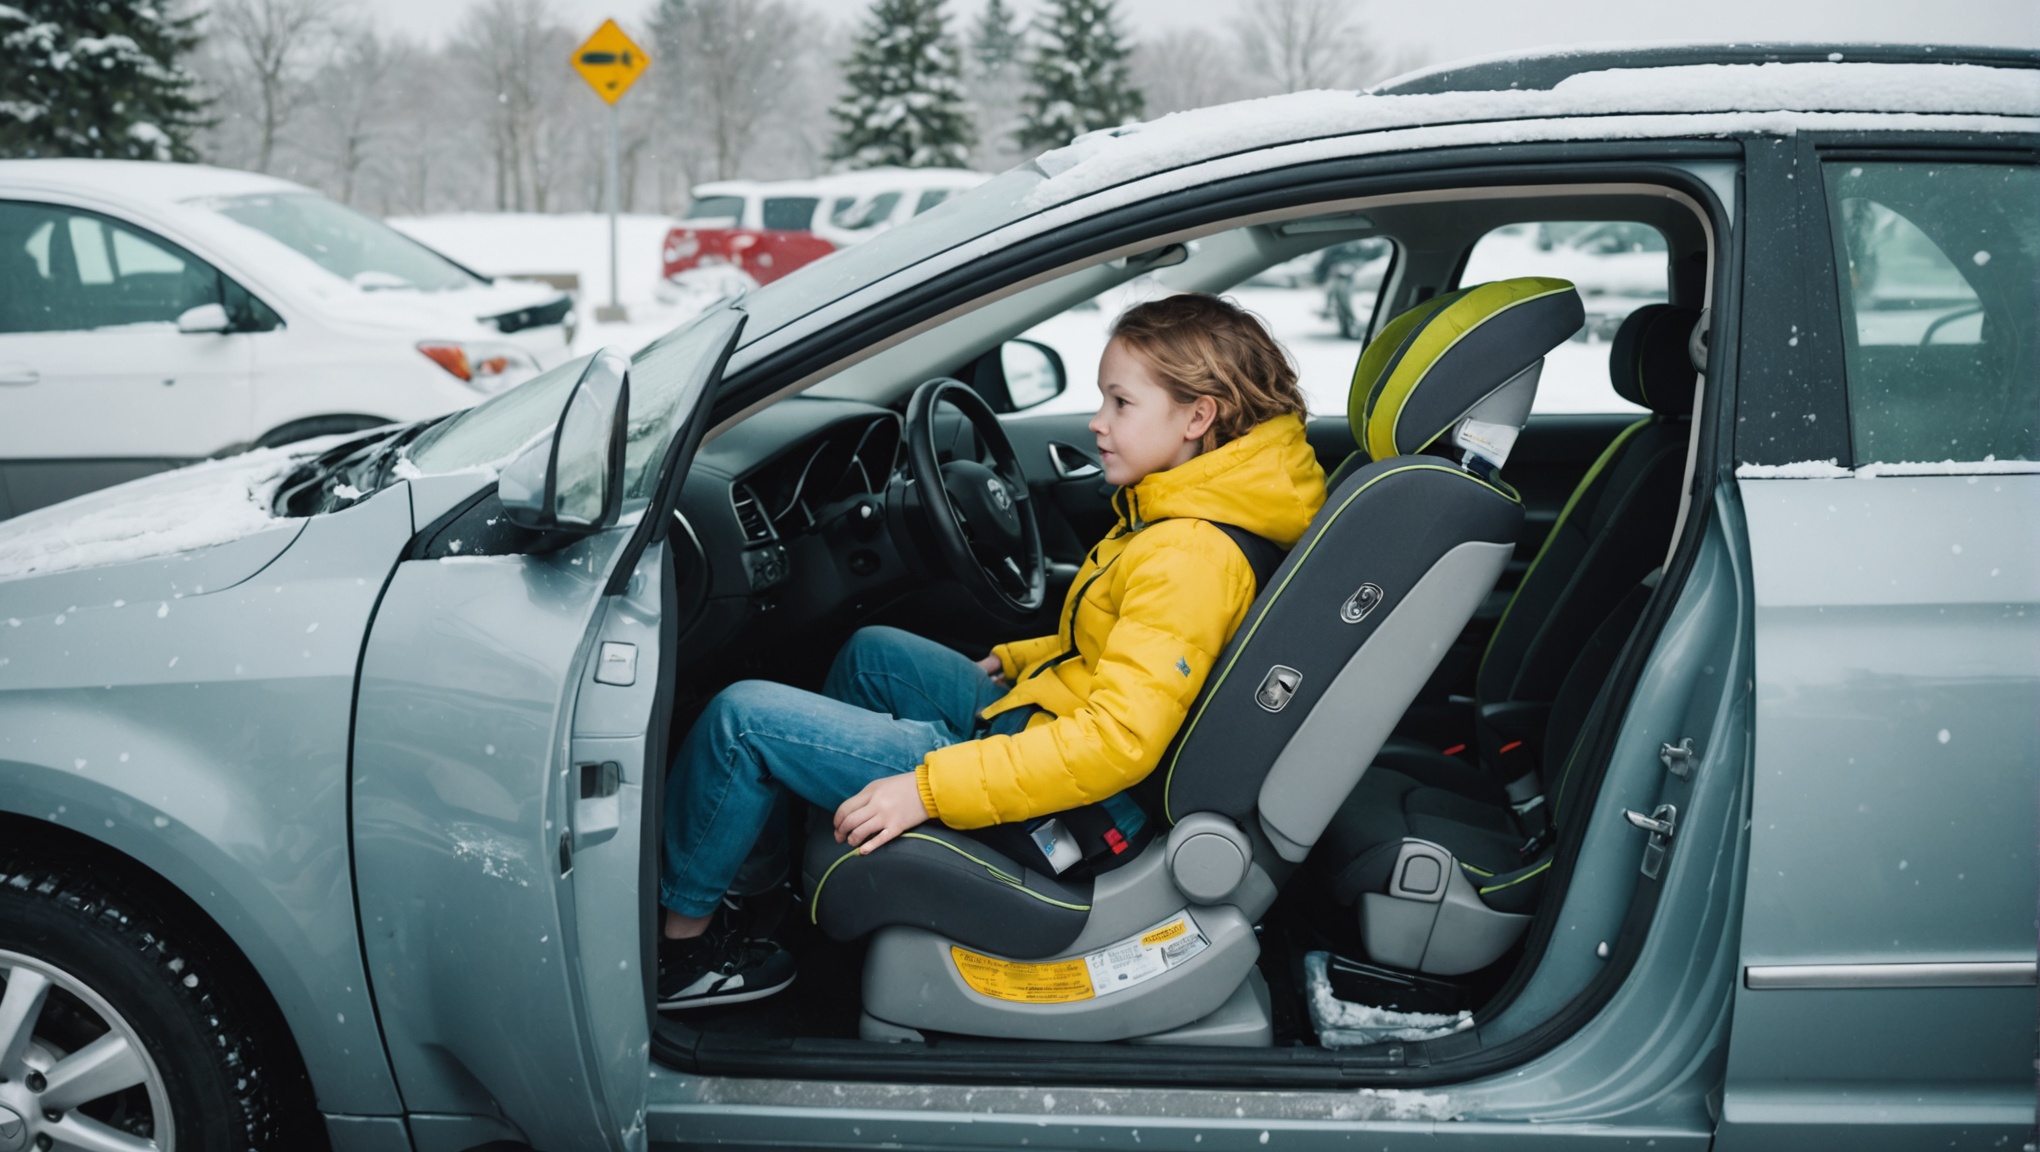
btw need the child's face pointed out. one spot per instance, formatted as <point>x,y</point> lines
<point>1140,427</point>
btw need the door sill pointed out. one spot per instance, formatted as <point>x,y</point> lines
<point>972,1060</point>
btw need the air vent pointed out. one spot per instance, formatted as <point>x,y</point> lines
<point>757,529</point>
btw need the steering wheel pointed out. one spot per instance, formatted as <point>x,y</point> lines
<point>980,515</point>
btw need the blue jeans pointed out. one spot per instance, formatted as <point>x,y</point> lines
<point>891,698</point>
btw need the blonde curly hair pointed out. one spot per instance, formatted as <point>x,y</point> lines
<point>1198,344</point>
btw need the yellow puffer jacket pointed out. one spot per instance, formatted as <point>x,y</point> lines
<point>1151,608</point>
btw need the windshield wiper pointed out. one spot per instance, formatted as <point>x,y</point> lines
<point>345,473</point>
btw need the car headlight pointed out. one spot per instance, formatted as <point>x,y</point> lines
<point>486,367</point>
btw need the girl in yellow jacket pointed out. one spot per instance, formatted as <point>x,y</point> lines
<point>1201,424</point>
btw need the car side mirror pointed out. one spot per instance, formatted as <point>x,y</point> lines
<point>571,477</point>
<point>203,319</point>
<point>1034,373</point>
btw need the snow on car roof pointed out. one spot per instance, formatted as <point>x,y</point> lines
<point>1682,99</point>
<point>146,180</point>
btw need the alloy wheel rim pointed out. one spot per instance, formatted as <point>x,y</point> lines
<point>53,1083</point>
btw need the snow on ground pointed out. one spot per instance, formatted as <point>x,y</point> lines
<point>576,243</point>
<point>195,507</point>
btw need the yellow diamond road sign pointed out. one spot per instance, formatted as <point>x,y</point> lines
<point>609,62</point>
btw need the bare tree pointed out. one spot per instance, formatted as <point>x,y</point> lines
<point>728,66</point>
<point>517,63</point>
<point>1297,45</point>
<point>1186,68</point>
<point>355,100</point>
<point>276,40</point>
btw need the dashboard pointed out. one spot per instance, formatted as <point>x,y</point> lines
<point>789,510</point>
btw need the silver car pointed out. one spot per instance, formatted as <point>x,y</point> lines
<point>331,775</point>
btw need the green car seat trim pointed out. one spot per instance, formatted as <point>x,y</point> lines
<point>1579,491</point>
<point>1296,561</point>
<point>1539,870</point>
<point>1438,334</point>
<point>1380,358</point>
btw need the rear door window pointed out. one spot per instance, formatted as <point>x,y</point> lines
<point>1619,266</point>
<point>63,270</point>
<point>1936,265</point>
<point>789,213</point>
<point>929,199</point>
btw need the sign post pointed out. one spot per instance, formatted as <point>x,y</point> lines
<point>610,62</point>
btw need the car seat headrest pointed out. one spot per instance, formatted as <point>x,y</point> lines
<point>1651,362</point>
<point>1470,353</point>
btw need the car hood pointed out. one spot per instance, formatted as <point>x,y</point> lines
<point>160,538</point>
<point>458,313</point>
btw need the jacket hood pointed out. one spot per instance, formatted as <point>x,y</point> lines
<point>1267,482</point>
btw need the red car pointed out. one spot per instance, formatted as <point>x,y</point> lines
<point>766,229</point>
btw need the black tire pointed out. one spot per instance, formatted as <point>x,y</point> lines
<point>213,1064</point>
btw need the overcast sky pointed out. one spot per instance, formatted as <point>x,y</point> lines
<point>1463,28</point>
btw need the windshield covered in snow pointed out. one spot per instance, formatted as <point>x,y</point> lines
<point>962,218</point>
<point>353,247</point>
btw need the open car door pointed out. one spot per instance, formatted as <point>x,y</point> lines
<point>510,729</point>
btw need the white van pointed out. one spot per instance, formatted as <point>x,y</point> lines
<point>152,314</point>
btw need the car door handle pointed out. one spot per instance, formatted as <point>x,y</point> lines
<point>12,374</point>
<point>1071,463</point>
<point>596,803</point>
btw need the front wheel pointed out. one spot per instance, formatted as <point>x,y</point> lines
<point>117,1030</point>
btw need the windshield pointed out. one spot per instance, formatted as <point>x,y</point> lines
<point>665,381</point>
<point>367,252</point>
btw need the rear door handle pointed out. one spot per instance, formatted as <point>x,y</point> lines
<point>15,374</point>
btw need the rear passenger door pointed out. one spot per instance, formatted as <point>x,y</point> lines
<point>1890,477</point>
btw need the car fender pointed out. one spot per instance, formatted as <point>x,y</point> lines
<point>207,737</point>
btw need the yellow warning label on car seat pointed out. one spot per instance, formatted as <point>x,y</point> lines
<point>1113,968</point>
<point>1165,934</point>
<point>1055,983</point>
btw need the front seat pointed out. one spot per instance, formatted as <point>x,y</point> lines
<point>1162,949</point>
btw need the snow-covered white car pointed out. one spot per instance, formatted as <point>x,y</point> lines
<point>153,314</point>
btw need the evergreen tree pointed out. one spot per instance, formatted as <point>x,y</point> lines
<point>96,78</point>
<point>1079,81</point>
<point>995,41</point>
<point>905,101</point>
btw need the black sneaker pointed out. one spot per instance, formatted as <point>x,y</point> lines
<point>720,967</point>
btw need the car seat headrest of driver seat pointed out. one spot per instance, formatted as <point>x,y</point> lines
<point>1651,362</point>
<point>1473,352</point>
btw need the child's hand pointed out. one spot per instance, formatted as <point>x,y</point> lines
<point>885,808</point>
<point>993,668</point>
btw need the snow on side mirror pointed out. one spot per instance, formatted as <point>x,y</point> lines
<point>203,319</point>
<point>570,477</point>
